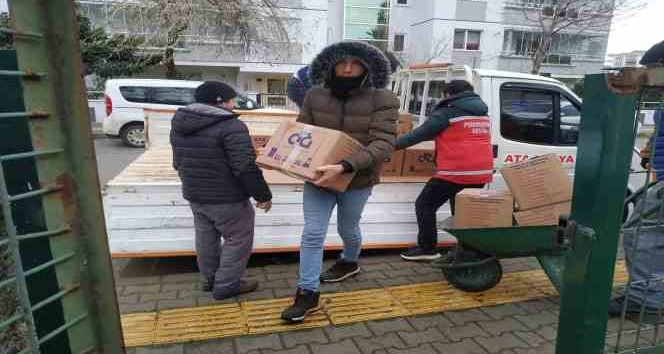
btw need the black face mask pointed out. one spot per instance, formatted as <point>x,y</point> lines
<point>341,86</point>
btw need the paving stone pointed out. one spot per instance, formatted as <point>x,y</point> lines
<point>274,284</point>
<point>260,278</point>
<point>427,270</point>
<point>251,271</point>
<point>375,267</point>
<point>128,299</point>
<point>337,333</point>
<point>183,294</point>
<point>257,295</point>
<point>387,326</point>
<point>300,349</point>
<point>284,292</point>
<point>430,321</point>
<point>149,306</point>
<point>362,285</point>
<point>371,275</point>
<point>181,278</point>
<point>346,346</point>
<point>281,268</point>
<point>463,317</point>
<point>422,349</point>
<point>246,344</point>
<point>178,286</point>
<point>471,330</point>
<point>613,325</point>
<point>328,287</point>
<point>414,339</point>
<point>399,272</point>
<point>171,295</point>
<point>372,344</point>
<point>130,351</point>
<point>505,341</point>
<point>538,305</point>
<point>547,348</point>
<point>426,278</point>
<point>466,346</point>
<point>119,290</point>
<point>176,304</point>
<point>547,332</point>
<point>502,311</point>
<point>394,281</point>
<point>222,346</point>
<point>531,338</point>
<point>120,281</point>
<point>509,324</point>
<point>170,349</point>
<point>536,321</point>
<point>295,338</point>
<point>280,276</point>
<point>133,289</point>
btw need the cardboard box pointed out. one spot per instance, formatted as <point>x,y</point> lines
<point>405,124</point>
<point>543,216</point>
<point>298,149</point>
<point>419,160</point>
<point>259,141</point>
<point>393,165</point>
<point>480,208</point>
<point>538,182</point>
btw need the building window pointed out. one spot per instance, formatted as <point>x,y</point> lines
<point>399,42</point>
<point>402,2</point>
<point>367,20</point>
<point>467,39</point>
<point>561,50</point>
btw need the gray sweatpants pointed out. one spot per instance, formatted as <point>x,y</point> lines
<point>235,223</point>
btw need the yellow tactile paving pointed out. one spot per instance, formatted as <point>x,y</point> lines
<point>263,316</point>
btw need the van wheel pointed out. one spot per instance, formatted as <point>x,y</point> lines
<point>134,135</point>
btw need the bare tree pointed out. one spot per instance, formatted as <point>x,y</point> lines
<point>238,28</point>
<point>575,18</point>
<point>441,46</point>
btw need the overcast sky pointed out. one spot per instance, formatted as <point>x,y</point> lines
<point>637,32</point>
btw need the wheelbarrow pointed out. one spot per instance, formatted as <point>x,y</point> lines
<point>476,265</point>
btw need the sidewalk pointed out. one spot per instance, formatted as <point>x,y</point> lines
<point>514,327</point>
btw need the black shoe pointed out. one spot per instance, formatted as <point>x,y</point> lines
<point>206,284</point>
<point>419,254</point>
<point>245,287</point>
<point>340,271</point>
<point>617,304</point>
<point>306,302</point>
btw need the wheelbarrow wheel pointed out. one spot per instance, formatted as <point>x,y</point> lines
<point>475,278</point>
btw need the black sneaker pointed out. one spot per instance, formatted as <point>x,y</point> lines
<point>206,284</point>
<point>306,302</point>
<point>616,307</point>
<point>340,271</point>
<point>245,287</point>
<point>419,254</point>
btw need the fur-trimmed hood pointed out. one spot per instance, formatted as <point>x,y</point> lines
<point>377,65</point>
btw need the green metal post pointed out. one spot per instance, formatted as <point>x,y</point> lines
<point>605,146</point>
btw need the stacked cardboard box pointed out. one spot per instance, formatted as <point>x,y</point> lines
<point>482,208</point>
<point>542,190</point>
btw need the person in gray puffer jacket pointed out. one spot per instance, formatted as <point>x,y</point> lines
<point>215,159</point>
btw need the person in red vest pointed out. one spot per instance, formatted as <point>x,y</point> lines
<point>461,129</point>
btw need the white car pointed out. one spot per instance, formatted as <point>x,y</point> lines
<point>126,98</point>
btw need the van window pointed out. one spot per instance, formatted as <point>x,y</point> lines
<point>135,93</point>
<point>177,96</point>
<point>416,93</point>
<point>528,115</point>
<point>435,95</point>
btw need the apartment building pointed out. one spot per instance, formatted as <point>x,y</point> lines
<point>491,34</point>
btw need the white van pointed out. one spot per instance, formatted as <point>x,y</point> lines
<point>126,98</point>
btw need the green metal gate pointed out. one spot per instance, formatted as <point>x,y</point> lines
<point>55,277</point>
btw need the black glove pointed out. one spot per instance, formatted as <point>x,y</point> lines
<point>644,163</point>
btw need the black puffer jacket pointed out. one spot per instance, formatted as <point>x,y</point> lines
<point>214,157</point>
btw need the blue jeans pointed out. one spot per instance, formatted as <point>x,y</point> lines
<point>318,205</point>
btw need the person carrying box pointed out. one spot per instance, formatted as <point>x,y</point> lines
<point>352,99</point>
<point>461,129</point>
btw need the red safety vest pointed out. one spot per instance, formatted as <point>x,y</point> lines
<point>463,151</point>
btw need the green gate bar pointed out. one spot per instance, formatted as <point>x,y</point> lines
<point>605,148</point>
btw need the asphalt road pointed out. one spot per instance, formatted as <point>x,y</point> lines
<point>113,157</point>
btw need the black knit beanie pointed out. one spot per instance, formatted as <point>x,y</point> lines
<point>213,92</point>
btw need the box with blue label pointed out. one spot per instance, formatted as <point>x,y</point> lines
<point>298,149</point>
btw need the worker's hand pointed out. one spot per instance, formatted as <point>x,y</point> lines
<point>645,162</point>
<point>330,174</point>
<point>264,206</point>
